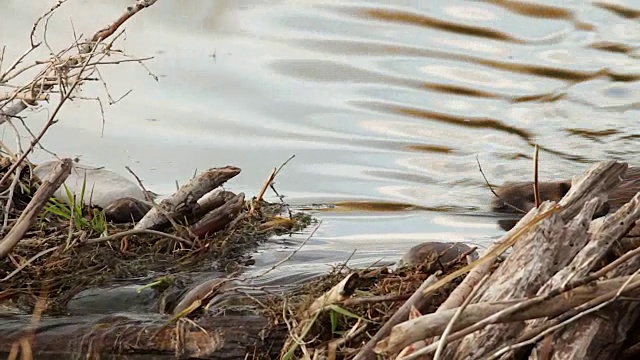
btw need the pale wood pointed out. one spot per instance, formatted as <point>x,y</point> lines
<point>416,300</point>
<point>591,336</point>
<point>536,258</point>
<point>433,324</point>
<point>602,333</point>
<point>29,215</point>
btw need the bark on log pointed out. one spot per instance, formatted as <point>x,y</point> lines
<point>535,258</point>
<point>605,331</point>
<point>600,334</point>
<point>49,186</point>
<point>433,324</point>
<point>146,337</point>
<point>184,201</point>
<point>219,218</point>
<point>211,202</point>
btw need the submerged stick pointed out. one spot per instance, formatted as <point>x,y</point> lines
<point>49,186</point>
<point>536,188</point>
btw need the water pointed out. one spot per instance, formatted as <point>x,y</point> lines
<point>386,107</point>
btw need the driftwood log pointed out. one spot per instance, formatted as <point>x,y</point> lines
<point>184,202</point>
<point>547,251</point>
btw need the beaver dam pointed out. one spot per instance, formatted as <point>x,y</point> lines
<point>561,283</point>
<point>567,289</point>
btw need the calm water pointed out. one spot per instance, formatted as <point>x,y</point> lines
<point>380,102</point>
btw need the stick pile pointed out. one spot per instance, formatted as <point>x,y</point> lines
<point>562,293</point>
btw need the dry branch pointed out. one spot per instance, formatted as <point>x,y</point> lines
<point>185,201</point>
<point>40,86</point>
<point>40,198</point>
<point>538,256</point>
<point>433,324</point>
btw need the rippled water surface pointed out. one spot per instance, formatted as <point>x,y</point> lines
<point>385,105</point>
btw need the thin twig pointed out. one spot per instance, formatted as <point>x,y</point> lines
<point>7,210</point>
<point>268,183</point>
<point>591,307</point>
<point>614,264</point>
<point>48,124</point>
<point>28,262</point>
<point>493,191</point>
<point>366,352</point>
<point>536,189</point>
<point>284,163</point>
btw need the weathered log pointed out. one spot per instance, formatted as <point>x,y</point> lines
<point>211,201</point>
<point>49,186</point>
<point>184,201</point>
<point>604,332</point>
<point>219,218</point>
<point>433,324</point>
<point>146,337</point>
<point>535,260</point>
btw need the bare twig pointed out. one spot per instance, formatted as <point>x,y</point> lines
<point>268,183</point>
<point>573,315</point>
<point>7,210</point>
<point>158,207</point>
<point>28,262</point>
<point>47,125</point>
<point>536,190</point>
<point>493,191</point>
<point>366,352</point>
